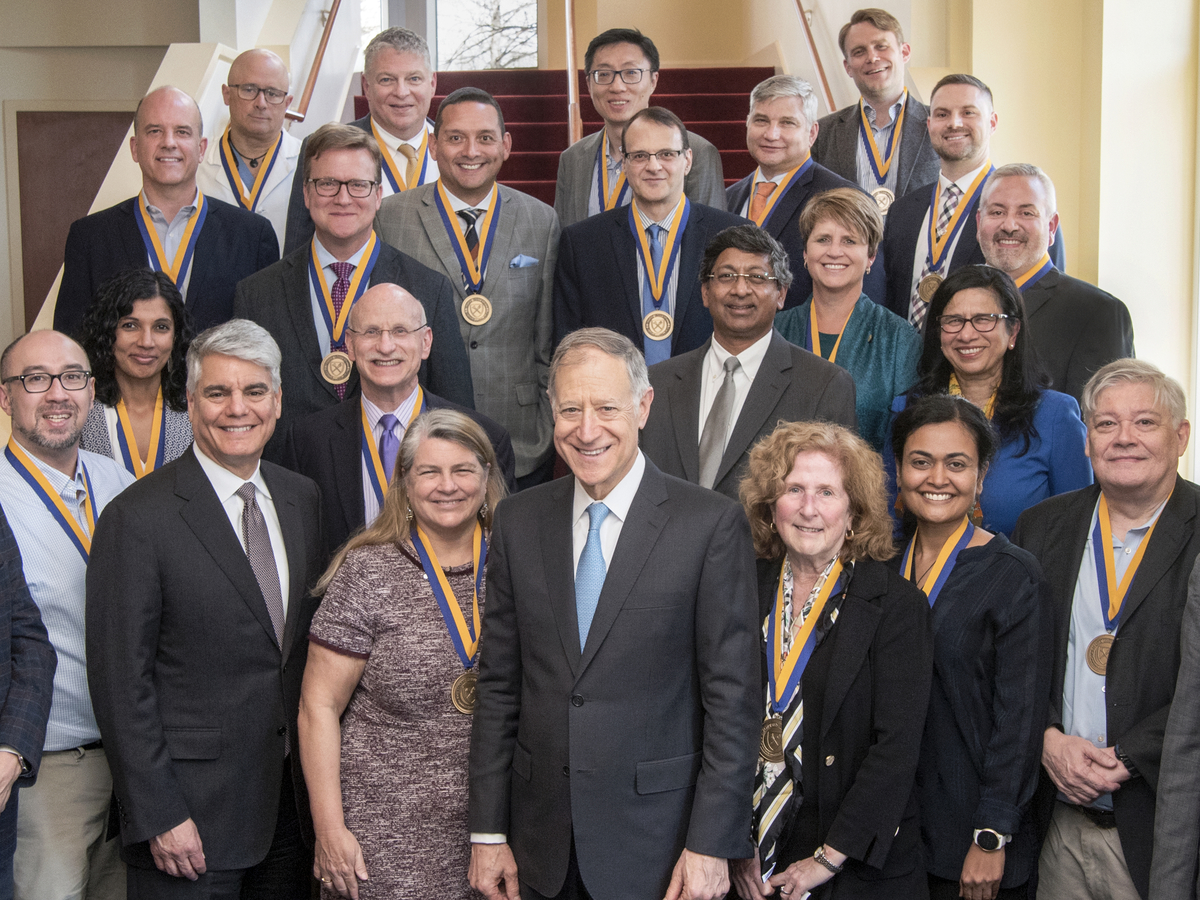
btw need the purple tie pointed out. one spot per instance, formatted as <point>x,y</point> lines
<point>389,445</point>
<point>338,293</point>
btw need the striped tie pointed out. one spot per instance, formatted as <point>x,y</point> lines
<point>917,307</point>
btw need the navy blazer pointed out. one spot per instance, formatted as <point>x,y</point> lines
<point>596,281</point>
<point>232,245</point>
<point>327,447</point>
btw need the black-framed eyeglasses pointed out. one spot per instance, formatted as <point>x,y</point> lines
<point>250,92</point>
<point>375,334</point>
<point>357,188</point>
<point>982,323</point>
<point>754,279</point>
<point>643,157</point>
<point>39,382</point>
<point>608,76</point>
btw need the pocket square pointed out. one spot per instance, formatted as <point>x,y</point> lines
<point>521,261</point>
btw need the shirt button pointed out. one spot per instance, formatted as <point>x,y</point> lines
<point>576,700</point>
<point>829,760</point>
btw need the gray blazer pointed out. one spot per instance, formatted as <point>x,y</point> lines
<point>704,184</point>
<point>510,353</point>
<point>791,385</point>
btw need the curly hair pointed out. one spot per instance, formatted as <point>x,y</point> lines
<point>862,476</point>
<point>98,333</point>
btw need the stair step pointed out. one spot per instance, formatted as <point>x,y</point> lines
<point>732,79</point>
<point>543,190</point>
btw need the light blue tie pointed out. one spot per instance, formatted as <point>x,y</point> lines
<point>656,351</point>
<point>589,576</point>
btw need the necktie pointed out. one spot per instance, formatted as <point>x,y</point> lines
<point>389,445</point>
<point>469,216</point>
<point>656,351</point>
<point>762,193</point>
<point>257,541</point>
<point>716,427</point>
<point>410,171</point>
<point>341,286</point>
<point>917,308</point>
<point>589,575</point>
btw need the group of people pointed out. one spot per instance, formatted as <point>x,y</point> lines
<point>843,443</point>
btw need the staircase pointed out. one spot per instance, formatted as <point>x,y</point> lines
<point>713,103</point>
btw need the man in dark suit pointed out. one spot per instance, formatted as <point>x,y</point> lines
<point>615,738</point>
<point>1074,327</point>
<point>1117,556</point>
<point>874,54</point>
<point>398,81</point>
<point>387,340</point>
<point>303,300</point>
<point>198,609</point>
<point>771,381</point>
<point>164,221</point>
<point>607,276</point>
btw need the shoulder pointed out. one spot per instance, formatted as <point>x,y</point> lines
<point>1059,508</point>
<point>743,184</point>
<point>393,262</point>
<point>260,280</point>
<point>583,149</point>
<point>1005,560</point>
<point>676,365</point>
<point>701,146</point>
<point>1061,285</point>
<point>791,322</point>
<point>316,427</point>
<point>289,482</point>
<point>915,202</point>
<point>406,203</point>
<point>886,323</point>
<point>593,226</point>
<point>234,218</point>
<point>1054,405</point>
<point>106,470</point>
<point>100,222</point>
<point>824,179</point>
<point>881,585</point>
<point>713,219</point>
<point>916,109</point>
<point>837,118</point>
<point>702,505</point>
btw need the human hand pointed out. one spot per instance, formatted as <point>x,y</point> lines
<point>179,852</point>
<point>338,862</point>
<point>746,875</point>
<point>491,866</point>
<point>698,877</point>
<point>981,874</point>
<point>1081,770</point>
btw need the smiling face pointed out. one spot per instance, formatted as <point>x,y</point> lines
<point>388,365</point>
<point>961,122</point>
<point>446,487</point>
<point>835,256</point>
<point>617,102</point>
<point>144,338</point>
<point>233,412</point>
<point>1133,447</point>
<point>939,473</point>
<point>167,143</point>
<point>399,88</point>
<point>778,136</point>
<point>47,425</point>
<point>875,60</point>
<point>342,221</point>
<point>741,314</point>
<point>257,117</point>
<point>812,515</point>
<point>470,150</point>
<point>977,355</point>
<point>656,185</point>
<point>1015,226</point>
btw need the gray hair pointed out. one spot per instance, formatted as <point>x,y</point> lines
<point>1022,170</point>
<point>239,338</point>
<point>749,239</point>
<point>778,86</point>
<point>605,341</point>
<point>402,40</point>
<point>1168,394</point>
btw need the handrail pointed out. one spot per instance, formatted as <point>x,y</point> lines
<point>816,57</point>
<point>298,114</point>
<point>574,119</point>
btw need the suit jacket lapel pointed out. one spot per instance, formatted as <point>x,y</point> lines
<point>502,245</point>
<point>131,235</point>
<point>627,260</point>
<point>684,403</point>
<point>781,215</point>
<point>203,258</point>
<point>296,286</point>
<point>736,198</point>
<point>912,136</point>
<point>345,450</point>
<point>1038,295</point>
<point>847,150</point>
<point>766,389</point>
<point>1170,535</point>
<point>435,230</point>
<point>688,261</point>
<point>968,241</point>
<point>292,527</point>
<point>852,636</point>
<point>558,564</point>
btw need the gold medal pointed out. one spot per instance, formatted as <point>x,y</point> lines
<point>770,745</point>
<point>477,309</point>
<point>335,368</point>
<point>462,692</point>
<point>1097,653</point>
<point>658,325</point>
<point>928,286</point>
<point>884,198</point>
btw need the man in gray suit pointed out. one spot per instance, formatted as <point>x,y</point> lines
<point>616,734</point>
<point>498,248</point>
<point>875,54</point>
<point>622,72</point>
<point>745,279</point>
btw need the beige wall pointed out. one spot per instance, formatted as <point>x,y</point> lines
<point>98,23</point>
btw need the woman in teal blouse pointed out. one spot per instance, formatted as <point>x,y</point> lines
<point>842,229</point>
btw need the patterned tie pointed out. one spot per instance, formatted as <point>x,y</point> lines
<point>762,193</point>
<point>257,541</point>
<point>389,444</point>
<point>917,308</point>
<point>341,286</point>
<point>589,575</point>
<point>410,171</point>
<point>716,427</point>
<point>469,216</point>
<point>656,351</point>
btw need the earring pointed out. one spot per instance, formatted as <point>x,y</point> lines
<point>773,531</point>
<point>849,534</point>
<point>868,272</point>
<point>483,511</point>
<point>409,515</point>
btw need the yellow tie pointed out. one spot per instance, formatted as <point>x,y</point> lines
<point>410,172</point>
<point>762,193</point>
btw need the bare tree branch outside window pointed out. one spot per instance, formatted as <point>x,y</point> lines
<point>487,34</point>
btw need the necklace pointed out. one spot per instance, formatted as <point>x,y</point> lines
<point>251,162</point>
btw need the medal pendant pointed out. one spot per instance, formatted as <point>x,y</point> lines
<point>336,367</point>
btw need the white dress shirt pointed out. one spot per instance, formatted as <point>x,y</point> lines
<point>618,502</point>
<point>923,235</point>
<point>712,374</point>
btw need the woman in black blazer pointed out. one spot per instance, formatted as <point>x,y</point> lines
<point>992,656</point>
<point>848,671</point>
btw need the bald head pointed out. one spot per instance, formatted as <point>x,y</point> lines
<point>388,339</point>
<point>164,100</point>
<point>256,77</point>
<point>167,145</point>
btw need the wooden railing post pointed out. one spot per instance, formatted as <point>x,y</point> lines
<point>574,118</point>
<point>816,57</point>
<point>298,114</point>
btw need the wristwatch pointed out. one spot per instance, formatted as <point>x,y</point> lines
<point>989,840</point>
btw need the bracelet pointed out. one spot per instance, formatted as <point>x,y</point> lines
<point>820,857</point>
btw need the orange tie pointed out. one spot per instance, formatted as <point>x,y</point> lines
<point>762,192</point>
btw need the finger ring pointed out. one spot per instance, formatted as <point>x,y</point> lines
<point>326,881</point>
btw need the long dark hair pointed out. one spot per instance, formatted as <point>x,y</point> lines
<point>98,332</point>
<point>1021,378</point>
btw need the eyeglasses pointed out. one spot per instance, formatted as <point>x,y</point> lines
<point>754,279</point>
<point>642,158</point>
<point>331,187</point>
<point>982,323</point>
<point>374,335</point>
<point>39,382</point>
<point>608,76</point>
<point>250,92</point>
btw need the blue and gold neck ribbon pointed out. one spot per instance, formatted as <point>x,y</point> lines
<point>472,270</point>
<point>943,565</point>
<point>1034,275</point>
<point>80,536</point>
<point>393,170</point>
<point>229,162</point>
<point>127,443</point>
<point>881,163</point>
<point>812,340</point>
<point>370,449</point>
<point>464,635</point>
<point>1112,594</point>
<point>938,249</point>
<point>177,269</point>
<point>777,194</point>
<point>335,321</point>
<point>658,278</point>
<point>783,676</point>
<point>608,197</point>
